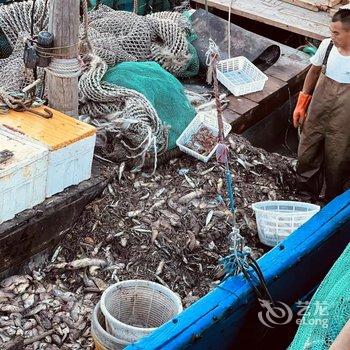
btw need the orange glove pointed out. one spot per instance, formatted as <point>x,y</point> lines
<point>301,108</point>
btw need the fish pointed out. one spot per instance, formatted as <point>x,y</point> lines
<point>205,172</point>
<point>10,308</point>
<point>65,296</point>
<point>160,267</point>
<point>190,196</point>
<point>121,171</point>
<point>173,218</point>
<point>123,242</point>
<point>159,193</point>
<point>56,254</point>
<point>87,262</point>
<point>209,217</point>
<point>13,281</point>
<point>28,300</point>
<point>6,295</point>
<point>190,181</point>
<point>134,213</point>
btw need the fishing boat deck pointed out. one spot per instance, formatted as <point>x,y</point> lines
<point>278,14</point>
<point>286,78</point>
<point>40,229</point>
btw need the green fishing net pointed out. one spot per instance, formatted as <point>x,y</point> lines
<point>329,309</point>
<point>162,90</point>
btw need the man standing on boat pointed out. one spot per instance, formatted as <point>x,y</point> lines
<point>324,149</point>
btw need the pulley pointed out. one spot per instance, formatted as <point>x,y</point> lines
<point>37,52</point>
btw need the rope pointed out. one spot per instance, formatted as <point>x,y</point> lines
<point>125,114</point>
<point>237,261</point>
<point>18,101</point>
<point>7,99</point>
<point>65,68</point>
<point>135,6</point>
<point>85,45</point>
<point>41,26</point>
<point>211,55</point>
<point>240,259</point>
<point>229,30</point>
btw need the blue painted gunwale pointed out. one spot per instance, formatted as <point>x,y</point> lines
<point>291,269</point>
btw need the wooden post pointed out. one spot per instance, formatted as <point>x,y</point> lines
<point>64,24</point>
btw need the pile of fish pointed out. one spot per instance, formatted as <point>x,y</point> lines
<point>203,141</point>
<point>171,228</point>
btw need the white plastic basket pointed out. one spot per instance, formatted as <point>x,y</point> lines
<point>135,308</point>
<point>102,339</point>
<point>240,76</point>
<point>208,119</point>
<point>276,220</point>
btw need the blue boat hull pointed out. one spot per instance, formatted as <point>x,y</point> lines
<point>227,317</point>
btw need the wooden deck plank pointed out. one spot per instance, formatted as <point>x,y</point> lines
<point>241,105</point>
<point>288,66</point>
<point>278,14</point>
<point>286,78</point>
<point>274,94</point>
<point>272,86</point>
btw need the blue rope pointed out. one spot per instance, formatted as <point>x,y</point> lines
<point>234,263</point>
<point>230,193</point>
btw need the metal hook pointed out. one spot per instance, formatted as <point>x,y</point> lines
<point>22,107</point>
<point>47,115</point>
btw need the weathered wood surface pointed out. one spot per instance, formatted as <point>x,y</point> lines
<point>35,230</point>
<point>314,5</point>
<point>279,14</point>
<point>64,25</point>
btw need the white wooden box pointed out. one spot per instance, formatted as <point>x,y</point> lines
<point>23,176</point>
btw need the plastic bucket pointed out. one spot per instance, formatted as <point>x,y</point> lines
<point>103,340</point>
<point>276,220</point>
<point>133,309</point>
